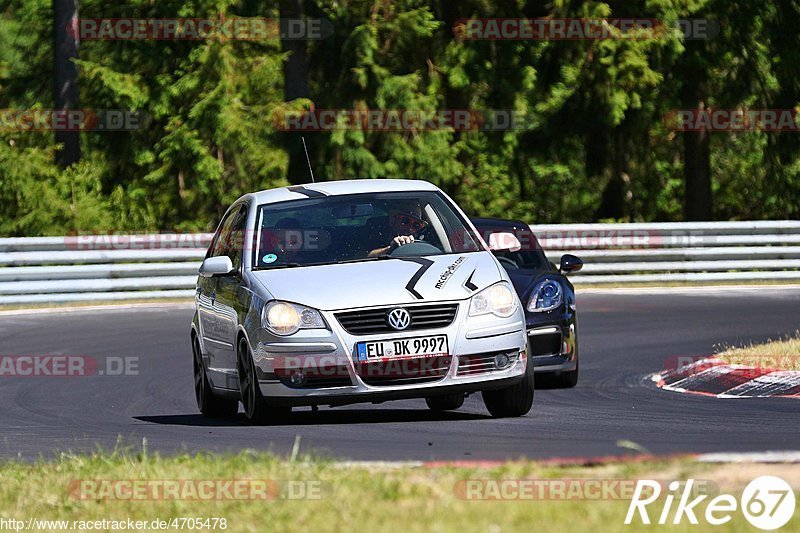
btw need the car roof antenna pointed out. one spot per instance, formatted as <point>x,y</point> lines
<point>308,160</point>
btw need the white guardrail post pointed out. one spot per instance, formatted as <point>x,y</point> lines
<point>124,267</point>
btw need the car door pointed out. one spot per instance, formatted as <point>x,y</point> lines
<point>210,327</point>
<point>229,294</point>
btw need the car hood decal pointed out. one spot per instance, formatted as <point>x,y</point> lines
<point>385,282</point>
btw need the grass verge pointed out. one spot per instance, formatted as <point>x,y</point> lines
<point>380,498</point>
<point>783,354</point>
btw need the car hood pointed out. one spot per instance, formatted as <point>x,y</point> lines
<point>383,282</point>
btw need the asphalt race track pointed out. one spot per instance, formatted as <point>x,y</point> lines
<point>624,338</point>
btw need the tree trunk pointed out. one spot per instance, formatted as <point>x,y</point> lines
<point>295,72</point>
<point>65,45</point>
<point>696,150</point>
<point>600,162</point>
<point>697,175</point>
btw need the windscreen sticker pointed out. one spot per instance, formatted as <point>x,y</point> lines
<point>449,271</point>
<point>269,258</point>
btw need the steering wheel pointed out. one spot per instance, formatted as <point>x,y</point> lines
<point>508,262</point>
<point>423,233</point>
<point>414,249</point>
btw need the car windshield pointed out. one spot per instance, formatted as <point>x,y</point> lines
<point>524,259</point>
<point>359,227</point>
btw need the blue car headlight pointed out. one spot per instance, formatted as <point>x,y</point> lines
<point>546,296</point>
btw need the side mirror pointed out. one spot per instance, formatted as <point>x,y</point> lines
<point>570,264</point>
<point>216,266</point>
<point>504,242</point>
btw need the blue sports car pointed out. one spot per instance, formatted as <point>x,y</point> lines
<point>548,299</point>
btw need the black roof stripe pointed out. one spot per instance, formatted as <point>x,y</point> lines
<point>307,192</point>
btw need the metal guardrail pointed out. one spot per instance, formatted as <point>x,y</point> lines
<point>678,252</point>
<point>62,269</point>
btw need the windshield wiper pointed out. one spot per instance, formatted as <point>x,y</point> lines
<point>374,258</point>
<point>282,265</point>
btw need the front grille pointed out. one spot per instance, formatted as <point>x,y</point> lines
<point>373,321</point>
<point>545,344</point>
<point>389,371</point>
<point>482,363</point>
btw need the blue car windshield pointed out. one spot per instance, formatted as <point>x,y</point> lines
<point>358,227</point>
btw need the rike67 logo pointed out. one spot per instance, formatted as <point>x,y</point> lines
<point>767,502</point>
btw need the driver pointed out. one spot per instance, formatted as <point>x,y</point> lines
<point>405,223</point>
<point>282,240</point>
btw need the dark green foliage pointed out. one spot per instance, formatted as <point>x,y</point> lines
<point>594,145</point>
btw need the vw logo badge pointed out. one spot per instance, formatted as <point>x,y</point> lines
<point>398,319</point>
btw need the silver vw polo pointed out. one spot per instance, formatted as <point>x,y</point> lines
<point>355,291</point>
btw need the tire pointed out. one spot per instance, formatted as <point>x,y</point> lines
<point>210,404</point>
<point>449,402</point>
<point>256,410</point>
<point>569,379</point>
<point>564,380</point>
<point>512,401</point>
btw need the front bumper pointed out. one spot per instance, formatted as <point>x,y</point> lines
<point>320,367</point>
<point>553,348</point>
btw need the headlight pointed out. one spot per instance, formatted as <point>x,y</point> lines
<point>546,296</point>
<point>498,300</point>
<point>284,318</point>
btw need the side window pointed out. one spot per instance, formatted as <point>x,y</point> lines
<point>235,242</point>
<point>223,235</point>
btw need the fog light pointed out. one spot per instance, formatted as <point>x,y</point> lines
<point>501,361</point>
<point>297,378</point>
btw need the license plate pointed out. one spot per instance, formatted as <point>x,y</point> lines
<point>428,346</point>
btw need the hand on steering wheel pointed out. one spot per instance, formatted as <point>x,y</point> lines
<point>400,240</point>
